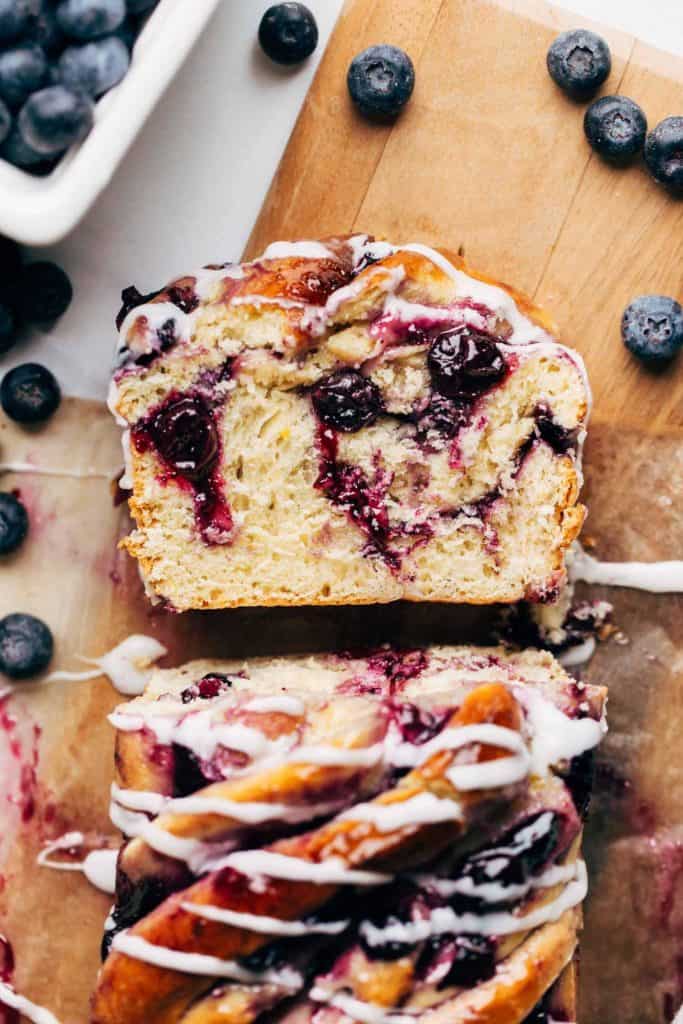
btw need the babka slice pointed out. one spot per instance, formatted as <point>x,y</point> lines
<point>346,422</point>
<point>390,839</point>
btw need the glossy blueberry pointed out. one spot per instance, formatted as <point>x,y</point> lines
<point>517,855</point>
<point>652,327</point>
<point>288,33</point>
<point>13,522</point>
<point>346,401</point>
<point>22,71</point>
<point>185,435</point>
<point>88,19</point>
<point>206,688</point>
<point>5,121</point>
<point>463,960</point>
<point>615,127</point>
<point>15,17</point>
<point>8,327</point>
<point>381,80</point>
<point>17,151</point>
<point>579,61</point>
<point>94,67</point>
<point>29,393</point>
<point>54,119</point>
<point>42,292</point>
<point>664,154</point>
<point>464,362</point>
<point>26,645</point>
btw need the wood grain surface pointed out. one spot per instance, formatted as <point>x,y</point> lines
<point>490,158</point>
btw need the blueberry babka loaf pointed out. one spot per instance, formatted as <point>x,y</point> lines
<point>347,422</point>
<point>389,839</point>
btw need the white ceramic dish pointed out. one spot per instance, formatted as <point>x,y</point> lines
<point>40,211</point>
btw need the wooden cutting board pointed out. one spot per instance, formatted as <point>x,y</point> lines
<point>488,158</point>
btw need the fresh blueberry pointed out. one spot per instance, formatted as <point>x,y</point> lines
<point>54,119</point>
<point>88,19</point>
<point>128,31</point>
<point>44,30</point>
<point>347,401</point>
<point>29,393</point>
<point>579,61</point>
<point>381,81</point>
<point>94,67</point>
<point>140,6</point>
<point>288,33</point>
<point>615,127</point>
<point>5,121</point>
<point>664,154</point>
<point>22,72</point>
<point>8,327</point>
<point>26,645</point>
<point>464,362</point>
<point>13,522</point>
<point>652,327</point>
<point>185,435</point>
<point>42,292</point>
<point>17,151</point>
<point>14,18</point>
<point>10,258</point>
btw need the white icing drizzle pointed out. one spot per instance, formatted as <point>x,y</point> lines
<point>139,799</point>
<point>126,480</point>
<point>497,892</point>
<point>356,1009</point>
<point>194,852</point>
<point>579,654</point>
<point>252,812</point>
<point>282,704</point>
<point>138,332</point>
<point>504,771</point>
<point>361,247</point>
<point>262,924</point>
<point>99,866</point>
<point>554,736</point>
<point>200,964</point>
<point>306,249</point>
<point>657,577</point>
<point>409,755</point>
<point>444,920</point>
<point>331,755</point>
<point>422,809</point>
<point>32,1012</point>
<point>128,665</point>
<point>265,863</point>
<point>207,277</point>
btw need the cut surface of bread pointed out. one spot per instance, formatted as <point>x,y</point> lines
<point>386,838</point>
<point>345,422</point>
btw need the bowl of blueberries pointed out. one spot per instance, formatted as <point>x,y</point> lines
<point>78,78</point>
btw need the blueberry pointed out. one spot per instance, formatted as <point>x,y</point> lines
<point>94,67</point>
<point>443,417</point>
<point>464,362</point>
<point>347,401</point>
<point>29,393</point>
<point>54,119</point>
<point>288,33</point>
<point>616,127</point>
<point>42,292</point>
<point>8,327</point>
<point>208,687</point>
<point>10,258</point>
<point>14,18</point>
<point>26,645</point>
<point>381,81</point>
<point>44,29</point>
<point>17,151</point>
<point>5,121</point>
<point>652,327</point>
<point>579,61</point>
<point>664,154</point>
<point>185,435</point>
<point>88,19</point>
<point>13,522</point>
<point>22,72</point>
<point>140,6</point>
<point>128,31</point>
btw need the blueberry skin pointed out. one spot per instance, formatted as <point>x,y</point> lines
<point>10,258</point>
<point>140,6</point>
<point>346,401</point>
<point>664,154</point>
<point>381,80</point>
<point>288,33</point>
<point>26,645</point>
<point>5,121</point>
<point>29,393</point>
<point>22,71</point>
<point>44,30</point>
<point>652,327</point>
<point>54,119</point>
<point>579,61</point>
<point>17,151</point>
<point>14,18</point>
<point>8,327</point>
<point>13,522</point>
<point>88,19</point>
<point>94,67</point>
<point>42,292</point>
<point>615,127</point>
